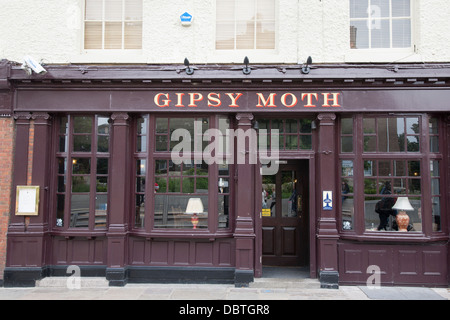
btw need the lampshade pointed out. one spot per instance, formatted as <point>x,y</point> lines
<point>195,205</point>
<point>403,204</point>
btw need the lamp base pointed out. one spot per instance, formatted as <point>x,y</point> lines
<point>194,221</point>
<point>402,221</point>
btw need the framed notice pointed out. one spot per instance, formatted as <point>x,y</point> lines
<point>27,201</point>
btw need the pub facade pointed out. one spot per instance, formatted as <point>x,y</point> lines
<point>150,174</point>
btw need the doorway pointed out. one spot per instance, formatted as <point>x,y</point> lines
<point>285,215</point>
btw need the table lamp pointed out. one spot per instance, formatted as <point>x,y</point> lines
<point>194,207</point>
<point>402,205</point>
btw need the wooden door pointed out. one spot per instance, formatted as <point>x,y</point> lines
<point>284,217</point>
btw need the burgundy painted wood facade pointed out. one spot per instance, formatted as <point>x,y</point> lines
<point>122,253</point>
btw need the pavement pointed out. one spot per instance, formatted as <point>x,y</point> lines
<point>262,289</point>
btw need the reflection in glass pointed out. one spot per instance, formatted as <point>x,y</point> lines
<point>289,195</point>
<point>170,212</point>
<point>79,211</point>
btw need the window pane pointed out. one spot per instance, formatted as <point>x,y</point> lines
<point>60,203</point>
<point>140,167</point>
<point>102,184</point>
<point>62,165</point>
<point>245,35</point>
<point>370,144</point>
<point>381,34</point>
<point>93,35</point>
<point>133,9</point>
<point>401,33</point>
<point>81,165</point>
<point>82,143</point>
<point>133,35</point>
<point>379,8</point>
<point>436,209</point>
<point>225,35</point>
<point>94,9</point>
<point>358,8</point>
<point>347,126</point>
<point>202,185</point>
<point>170,212</point>
<point>102,165</point>
<point>305,125</point>
<point>81,184</point>
<point>359,33</point>
<point>369,125</point>
<point>113,10</point>
<point>348,210</point>
<point>223,210</point>
<point>82,125</point>
<point>101,206</point>
<point>347,144</point>
<point>61,184</point>
<point>265,35</point>
<point>384,168</point>
<point>401,8</point>
<point>413,144</point>
<point>141,144</point>
<point>379,215</point>
<point>103,144</point>
<point>140,210</point>
<point>305,142</point>
<point>113,35</point>
<point>79,211</point>
<point>399,168</point>
<point>266,10</point>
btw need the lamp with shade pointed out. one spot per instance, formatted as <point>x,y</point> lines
<point>194,207</point>
<point>402,205</point>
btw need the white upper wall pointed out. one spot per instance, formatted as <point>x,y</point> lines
<point>52,30</point>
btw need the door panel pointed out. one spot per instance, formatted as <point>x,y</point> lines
<point>284,217</point>
<point>268,244</point>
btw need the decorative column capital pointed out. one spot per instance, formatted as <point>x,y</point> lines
<point>244,119</point>
<point>326,118</point>
<point>120,118</point>
<point>41,117</point>
<point>22,116</point>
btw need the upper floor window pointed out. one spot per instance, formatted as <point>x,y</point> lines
<point>245,24</point>
<point>113,24</point>
<point>378,24</point>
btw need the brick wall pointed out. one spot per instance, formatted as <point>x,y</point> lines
<point>6,163</point>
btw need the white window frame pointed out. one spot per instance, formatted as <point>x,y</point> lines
<point>104,51</point>
<point>254,49</point>
<point>407,54</point>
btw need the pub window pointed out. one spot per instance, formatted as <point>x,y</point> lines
<point>436,195</point>
<point>385,181</point>
<point>347,195</point>
<point>140,169</point>
<point>113,24</point>
<point>181,200</point>
<point>245,24</point>
<point>83,172</point>
<point>224,176</point>
<point>391,134</point>
<point>293,134</point>
<point>378,24</point>
<point>185,129</point>
<point>389,173</point>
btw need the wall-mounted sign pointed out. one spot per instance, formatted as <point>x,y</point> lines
<point>328,200</point>
<point>266,213</point>
<point>27,201</point>
<point>186,19</point>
